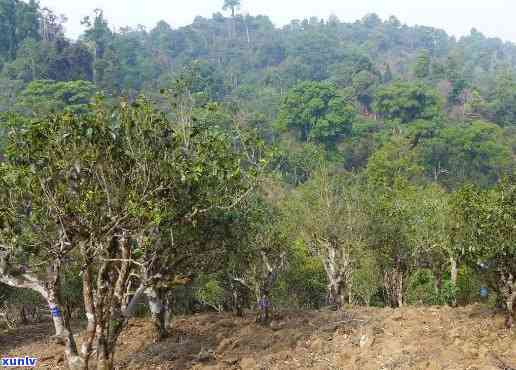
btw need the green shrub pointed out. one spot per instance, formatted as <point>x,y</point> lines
<point>367,280</point>
<point>468,285</point>
<point>421,288</point>
<point>210,293</point>
<point>304,285</point>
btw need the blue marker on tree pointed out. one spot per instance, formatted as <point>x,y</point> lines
<point>56,312</point>
<point>484,292</point>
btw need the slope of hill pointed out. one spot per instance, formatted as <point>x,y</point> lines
<point>409,338</point>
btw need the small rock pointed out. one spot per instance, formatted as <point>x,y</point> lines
<point>204,356</point>
<point>248,363</point>
<point>277,325</point>
<point>364,339</point>
<point>355,339</point>
<point>317,345</point>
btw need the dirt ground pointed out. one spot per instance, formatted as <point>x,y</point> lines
<point>359,338</point>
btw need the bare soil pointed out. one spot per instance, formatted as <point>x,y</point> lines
<point>358,338</point>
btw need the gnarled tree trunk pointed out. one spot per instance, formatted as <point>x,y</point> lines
<point>158,312</point>
<point>508,291</point>
<point>49,290</point>
<point>113,309</point>
<point>393,282</point>
<point>63,334</point>
<point>89,305</point>
<point>237,297</point>
<point>336,289</point>
<point>337,264</point>
<point>159,277</point>
<point>268,280</point>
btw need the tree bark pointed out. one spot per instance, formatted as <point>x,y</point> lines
<point>158,313</point>
<point>453,278</point>
<point>508,290</point>
<point>350,293</point>
<point>336,290</point>
<point>393,283</point>
<point>105,354</point>
<point>110,321</point>
<point>23,315</point>
<point>237,298</point>
<point>89,305</point>
<point>400,290</point>
<point>169,299</point>
<point>111,312</point>
<point>267,282</point>
<point>337,264</point>
<point>64,333</point>
<point>264,307</point>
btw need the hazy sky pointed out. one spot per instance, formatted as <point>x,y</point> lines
<point>457,17</point>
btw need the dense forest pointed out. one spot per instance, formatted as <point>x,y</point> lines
<point>232,165</point>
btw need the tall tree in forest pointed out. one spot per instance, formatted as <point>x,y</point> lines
<point>317,112</point>
<point>407,102</point>
<point>100,36</point>
<point>231,5</point>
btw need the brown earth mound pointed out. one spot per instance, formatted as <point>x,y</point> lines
<point>359,338</point>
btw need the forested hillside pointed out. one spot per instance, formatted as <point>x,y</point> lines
<point>384,71</point>
<point>232,165</point>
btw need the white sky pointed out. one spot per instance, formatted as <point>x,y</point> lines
<point>457,17</point>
